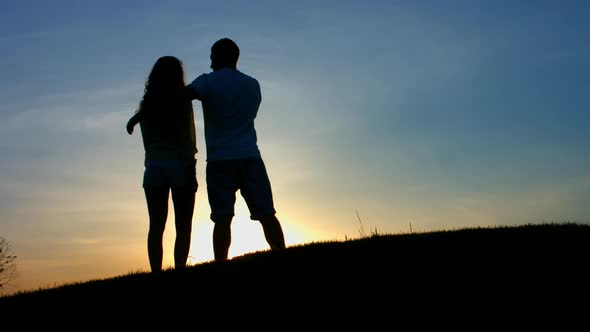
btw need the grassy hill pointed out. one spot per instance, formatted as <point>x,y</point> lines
<point>493,260</point>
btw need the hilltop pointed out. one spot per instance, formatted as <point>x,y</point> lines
<point>472,260</point>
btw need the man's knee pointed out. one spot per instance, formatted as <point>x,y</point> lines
<point>222,219</point>
<point>267,219</point>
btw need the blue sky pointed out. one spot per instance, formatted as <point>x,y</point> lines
<point>442,114</point>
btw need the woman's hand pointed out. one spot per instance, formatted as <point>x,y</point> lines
<point>130,125</point>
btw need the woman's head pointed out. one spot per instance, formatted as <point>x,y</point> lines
<point>166,74</point>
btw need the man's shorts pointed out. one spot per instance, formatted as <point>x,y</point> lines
<point>225,177</point>
<point>170,174</point>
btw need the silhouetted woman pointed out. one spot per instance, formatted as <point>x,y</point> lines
<point>168,134</point>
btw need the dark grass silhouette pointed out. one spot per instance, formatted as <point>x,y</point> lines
<point>535,259</point>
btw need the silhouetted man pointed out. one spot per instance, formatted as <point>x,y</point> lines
<point>230,101</point>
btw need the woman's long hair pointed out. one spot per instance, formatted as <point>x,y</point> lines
<point>166,76</point>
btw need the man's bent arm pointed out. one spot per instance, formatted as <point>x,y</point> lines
<point>188,92</point>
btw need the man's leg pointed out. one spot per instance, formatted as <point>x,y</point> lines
<point>273,232</point>
<point>184,204</point>
<point>221,237</point>
<point>221,191</point>
<point>257,192</point>
<point>157,202</point>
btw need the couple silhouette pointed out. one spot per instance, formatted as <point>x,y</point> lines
<point>230,101</point>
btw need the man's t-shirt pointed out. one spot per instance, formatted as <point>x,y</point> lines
<point>230,101</point>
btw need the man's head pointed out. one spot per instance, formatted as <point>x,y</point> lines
<point>224,54</point>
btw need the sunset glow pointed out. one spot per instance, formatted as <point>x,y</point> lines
<point>414,114</point>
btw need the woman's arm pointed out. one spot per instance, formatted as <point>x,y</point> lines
<point>135,119</point>
<point>188,92</point>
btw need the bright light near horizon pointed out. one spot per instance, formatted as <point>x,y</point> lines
<point>247,235</point>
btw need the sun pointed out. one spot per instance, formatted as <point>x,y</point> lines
<point>247,234</point>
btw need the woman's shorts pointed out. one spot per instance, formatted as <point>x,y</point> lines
<point>170,174</point>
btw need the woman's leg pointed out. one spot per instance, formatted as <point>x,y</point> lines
<point>157,202</point>
<point>184,205</point>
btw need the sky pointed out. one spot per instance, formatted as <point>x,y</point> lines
<point>377,117</point>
